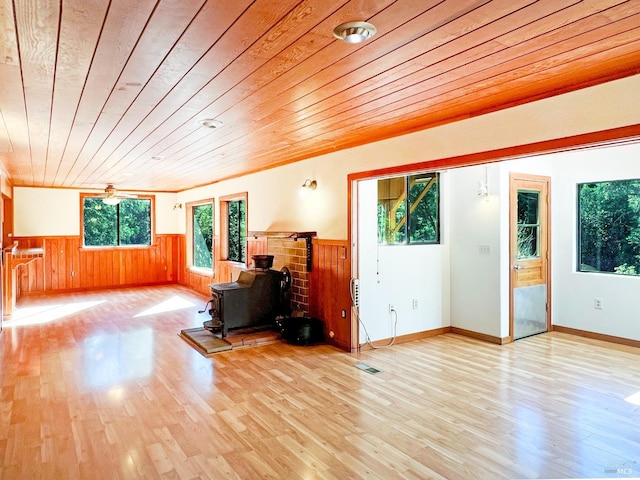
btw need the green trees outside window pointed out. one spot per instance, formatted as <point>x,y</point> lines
<point>237,230</point>
<point>609,227</point>
<point>528,239</point>
<point>128,223</point>
<point>409,209</point>
<point>202,217</point>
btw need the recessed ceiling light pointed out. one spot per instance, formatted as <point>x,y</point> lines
<point>210,123</point>
<point>354,32</point>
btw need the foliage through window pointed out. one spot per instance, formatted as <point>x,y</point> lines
<point>125,224</point>
<point>528,240</point>
<point>237,230</point>
<point>202,218</point>
<point>409,209</point>
<point>609,227</point>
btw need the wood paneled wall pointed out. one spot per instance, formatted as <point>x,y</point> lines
<point>256,246</point>
<point>329,296</point>
<point>67,266</point>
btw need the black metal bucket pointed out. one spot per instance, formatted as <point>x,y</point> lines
<point>262,261</point>
<point>301,330</point>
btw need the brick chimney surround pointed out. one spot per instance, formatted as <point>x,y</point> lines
<point>291,250</point>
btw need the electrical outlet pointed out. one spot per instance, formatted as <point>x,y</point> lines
<point>355,292</point>
<point>415,304</point>
<point>391,308</point>
<point>598,304</point>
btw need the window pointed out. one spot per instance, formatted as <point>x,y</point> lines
<point>202,236</point>
<point>528,240</point>
<point>237,231</point>
<point>125,224</point>
<point>409,218</point>
<point>233,215</point>
<point>609,227</point>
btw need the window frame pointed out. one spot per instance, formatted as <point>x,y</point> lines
<point>152,215</point>
<point>407,207</point>
<point>224,225</point>
<point>579,230</point>
<point>190,235</point>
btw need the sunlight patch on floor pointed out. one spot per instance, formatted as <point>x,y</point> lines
<point>635,398</point>
<point>112,359</point>
<point>47,313</point>
<point>169,305</point>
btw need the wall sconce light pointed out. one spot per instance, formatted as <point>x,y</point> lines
<point>483,189</point>
<point>177,206</point>
<point>483,185</point>
<point>310,184</point>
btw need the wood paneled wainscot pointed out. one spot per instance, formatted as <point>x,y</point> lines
<point>329,297</point>
<point>67,266</point>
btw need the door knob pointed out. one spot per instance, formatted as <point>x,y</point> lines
<point>517,267</point>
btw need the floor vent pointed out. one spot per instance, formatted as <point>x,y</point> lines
<point>367,368</point>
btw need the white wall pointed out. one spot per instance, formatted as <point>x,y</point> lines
<point>475,276</point>
<point>574,292</point>
<point>45,211</point>
<point>398,275</point>
<point>56,212</point>
<point>276,202</point>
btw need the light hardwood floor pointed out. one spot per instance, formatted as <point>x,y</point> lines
<point>110,391</point>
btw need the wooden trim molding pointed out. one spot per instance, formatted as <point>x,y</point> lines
<point>438,331</point>
<point>597,336</point>
<point>614,136</point>
<point>411,337</point>
<point>481,336</point>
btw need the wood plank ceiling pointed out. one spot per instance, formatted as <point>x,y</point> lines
<point>97,91</point>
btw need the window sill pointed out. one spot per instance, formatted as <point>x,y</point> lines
<point>234,263</point>
<point>205,272</point>
<point>115,247</point>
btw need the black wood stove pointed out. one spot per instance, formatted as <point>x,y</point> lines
<point>255,299</point>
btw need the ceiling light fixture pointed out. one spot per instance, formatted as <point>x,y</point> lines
<point>111,200</point>
<point>354,32</point>
<point>210,123</point>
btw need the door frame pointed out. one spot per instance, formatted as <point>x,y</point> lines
<point>547,233</point>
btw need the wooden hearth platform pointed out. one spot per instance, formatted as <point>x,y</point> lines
<point>236,339</point>
<point>251,337</point>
